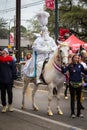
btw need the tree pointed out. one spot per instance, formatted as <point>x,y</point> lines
<point>74,19</point>
<point>3,30</point>
<point>71,16</point>
<point>34,27</point>
<point>23,30</point>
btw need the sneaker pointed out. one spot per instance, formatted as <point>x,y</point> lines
<point>66,97</point>
<point>10,108</point>
<point>73,115</point>
<point>80,115</point>
<point>4,109</point>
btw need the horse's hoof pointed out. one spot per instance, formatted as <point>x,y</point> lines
<point>36,108</point>
<point>50,113</point>
<point>22,107</point>
<point>60,112</point>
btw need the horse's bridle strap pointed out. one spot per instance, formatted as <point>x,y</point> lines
<point>57,67</point>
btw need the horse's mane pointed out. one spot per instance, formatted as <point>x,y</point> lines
<point>54,58</point>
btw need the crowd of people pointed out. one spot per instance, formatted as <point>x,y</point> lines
<point>76,69</point>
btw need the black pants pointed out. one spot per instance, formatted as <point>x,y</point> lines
<point>66,89</point>
<point>6,88</point>
<point>75,92</point>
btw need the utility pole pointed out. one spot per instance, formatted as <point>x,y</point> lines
<point>56,21</point>
<point>18,14</point>
<point>14,31</point>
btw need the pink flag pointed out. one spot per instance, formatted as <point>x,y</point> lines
<point>11,38</point>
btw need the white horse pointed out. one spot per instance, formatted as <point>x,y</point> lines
<point>53,77</point>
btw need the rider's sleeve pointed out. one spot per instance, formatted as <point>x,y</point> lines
<point>41,49</point>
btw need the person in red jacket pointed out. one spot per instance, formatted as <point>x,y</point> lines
<point>7,76</point>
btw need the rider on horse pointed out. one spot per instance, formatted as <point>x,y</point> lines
<point>44,47</point>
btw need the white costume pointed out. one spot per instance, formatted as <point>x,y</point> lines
<point>44,46</point>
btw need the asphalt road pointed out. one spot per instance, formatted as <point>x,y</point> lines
<point>30,120</point>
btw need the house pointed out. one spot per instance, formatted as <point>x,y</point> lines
<point>23,43</point>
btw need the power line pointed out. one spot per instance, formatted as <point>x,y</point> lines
<point>23,6</point>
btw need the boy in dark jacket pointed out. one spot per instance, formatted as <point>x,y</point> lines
<point>7,76</point>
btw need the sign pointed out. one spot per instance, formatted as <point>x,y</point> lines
<point>49,4</point>
<point>9,46</point>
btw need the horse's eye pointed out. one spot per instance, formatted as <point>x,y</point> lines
<point>60,51</point>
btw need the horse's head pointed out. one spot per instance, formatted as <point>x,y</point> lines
<point>63,52</point>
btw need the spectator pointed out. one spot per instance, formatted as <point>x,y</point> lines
<point>28,56</point>
<point>7,76</point>
<point>75,84</point>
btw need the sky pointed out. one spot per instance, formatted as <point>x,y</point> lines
<point>29,8</point>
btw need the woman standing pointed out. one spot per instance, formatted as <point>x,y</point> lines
<point>75,70</point>
<point>7,76</point>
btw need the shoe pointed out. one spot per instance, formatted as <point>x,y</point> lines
<point>39,81</point>
<point>66,97</point>
<point>80,115</point>
<point>4,109</point>
<point>73,115</point>
<point>10,108</point>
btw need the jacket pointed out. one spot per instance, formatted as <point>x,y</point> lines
<point>7,70</point>
<point>75,72</point>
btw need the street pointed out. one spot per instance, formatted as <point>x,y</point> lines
<point>30,120</point>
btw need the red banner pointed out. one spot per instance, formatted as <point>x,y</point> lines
<point>49,4</point>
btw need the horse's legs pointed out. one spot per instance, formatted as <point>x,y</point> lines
<point>50,95</point>
<point>25,84</point>
<point>59,111</point>
<point>33,95</point>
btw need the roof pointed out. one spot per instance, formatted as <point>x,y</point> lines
<point>74,42</point>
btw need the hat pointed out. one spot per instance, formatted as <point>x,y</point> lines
<point>6,50</point>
